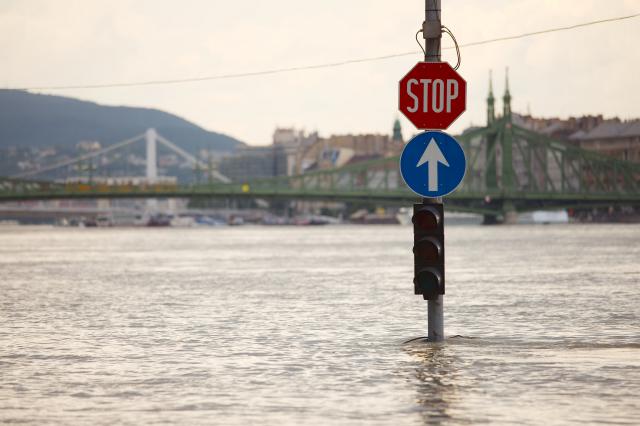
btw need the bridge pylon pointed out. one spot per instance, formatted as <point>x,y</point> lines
<point>151,138</point>
<point>499,172</point>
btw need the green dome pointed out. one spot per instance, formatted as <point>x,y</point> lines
<point>397,131</point>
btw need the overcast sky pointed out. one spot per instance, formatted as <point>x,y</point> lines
<point>591,70</point>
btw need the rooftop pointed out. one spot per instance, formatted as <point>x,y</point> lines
<point>611,129</point>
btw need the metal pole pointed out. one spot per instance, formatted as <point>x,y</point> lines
<point>431,30</point>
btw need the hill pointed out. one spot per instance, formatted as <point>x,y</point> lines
<point>34,120</point>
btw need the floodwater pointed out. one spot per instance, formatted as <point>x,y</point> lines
<point>289,326</point>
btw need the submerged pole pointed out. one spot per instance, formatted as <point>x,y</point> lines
<point>432,32</point>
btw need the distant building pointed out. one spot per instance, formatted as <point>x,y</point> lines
<point>281,158</point>
<point>295,144</point>
<point>339,150</point>
<point>611,137</point>
<point>254,163</point>
<point>615,138</point>
<point>558,128</point>
<point>288,136</point>
<point>88,146</point>
<point>295,152</point>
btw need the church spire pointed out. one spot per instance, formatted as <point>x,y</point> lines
<point>506,99</point>
<point>491,111</point>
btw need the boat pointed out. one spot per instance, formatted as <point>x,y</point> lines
<point>159,219</point>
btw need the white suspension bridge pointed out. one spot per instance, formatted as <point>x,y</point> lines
<point>151,137</point>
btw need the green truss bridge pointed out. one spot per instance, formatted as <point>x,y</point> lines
<point>509,169</point>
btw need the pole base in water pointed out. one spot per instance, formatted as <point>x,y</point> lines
<point>435,319</point>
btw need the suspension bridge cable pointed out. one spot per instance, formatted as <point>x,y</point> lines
<point>80,158</point>
<point>323,65</point>
<point>184,154</point>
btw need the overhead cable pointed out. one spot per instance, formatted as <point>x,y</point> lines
<point>318,66</point>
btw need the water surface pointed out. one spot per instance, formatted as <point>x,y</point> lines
<point>289,326</point>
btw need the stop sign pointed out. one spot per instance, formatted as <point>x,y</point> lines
<point>432,95</point>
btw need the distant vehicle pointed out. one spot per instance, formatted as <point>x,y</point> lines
<point>159,219</point>
<point>89,222</point>
<point>236,220</point>
<point>183,221</point>
<point>452,218</point>
<point>275,220</point>
<point>380,217</point>
<point>141,220</point>
<point>315,220</point>
<point>104,221</point>
<point>209,221</point>
<point>404,216</point>
<point>544,217</point>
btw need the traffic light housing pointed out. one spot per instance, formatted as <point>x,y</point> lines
<point>428,250</point>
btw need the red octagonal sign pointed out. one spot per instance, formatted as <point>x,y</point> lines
<point>432,95</point>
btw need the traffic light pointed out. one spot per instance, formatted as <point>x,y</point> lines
<point>428,250</point>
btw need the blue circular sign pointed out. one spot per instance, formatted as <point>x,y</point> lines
<point>432,164</point>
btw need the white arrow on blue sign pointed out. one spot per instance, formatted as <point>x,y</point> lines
<point>433,164</point>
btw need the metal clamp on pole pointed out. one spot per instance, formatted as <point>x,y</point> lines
<point>432,30</point>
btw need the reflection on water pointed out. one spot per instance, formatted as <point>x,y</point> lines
<point>285,326</point>
<point>436,380</point>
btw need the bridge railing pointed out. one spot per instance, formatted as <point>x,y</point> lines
<point>545,165</point>
<point>22,186</point>
<point>504,161</point>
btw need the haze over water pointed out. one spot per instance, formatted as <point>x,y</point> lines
<point>290,326</point>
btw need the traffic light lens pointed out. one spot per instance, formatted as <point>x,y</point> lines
<point>426,220</point>
<point>427,251</point>
<point>428,282</point>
